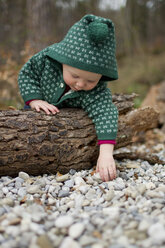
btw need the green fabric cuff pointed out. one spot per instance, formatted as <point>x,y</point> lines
<point>32,96</point>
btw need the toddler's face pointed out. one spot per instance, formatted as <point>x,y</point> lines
<point>78,79</point>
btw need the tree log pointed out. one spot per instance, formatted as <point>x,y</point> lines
<point>38,143</point>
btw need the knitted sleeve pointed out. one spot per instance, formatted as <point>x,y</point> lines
<point>29,77</point>
<point>98,104</point>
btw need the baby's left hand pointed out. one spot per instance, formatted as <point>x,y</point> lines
<point>106,167</point>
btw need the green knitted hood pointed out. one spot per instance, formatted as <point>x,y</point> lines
<point>89,45</point>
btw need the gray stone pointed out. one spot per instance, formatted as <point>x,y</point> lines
<point>69,183</point>
<point>63,193</point>
<point>72,172</point>
<point>22,192</point>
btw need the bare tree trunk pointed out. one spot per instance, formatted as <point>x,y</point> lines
<point>37,143</point>
<point>40,23</point>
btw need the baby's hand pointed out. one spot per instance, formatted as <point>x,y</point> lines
<point>106,168</point>
<point>106,164</point>
<point>40,104</point>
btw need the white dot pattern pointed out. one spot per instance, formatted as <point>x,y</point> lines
<point>41,78</point>
<point>77,50</point>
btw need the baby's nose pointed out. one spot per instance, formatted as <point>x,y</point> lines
<point>80,84</point>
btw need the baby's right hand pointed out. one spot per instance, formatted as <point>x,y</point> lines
<point>43,105</point>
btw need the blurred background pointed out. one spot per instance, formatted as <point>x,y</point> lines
<point>28,26</point>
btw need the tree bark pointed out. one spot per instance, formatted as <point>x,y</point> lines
<point>37,143</point>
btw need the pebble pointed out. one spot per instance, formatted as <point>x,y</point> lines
<point>23,175</point>
<point>109,195</point>
<point>78,210</point>
<point>32,189</point>
<point>64,221</point>
<point>63,193</point>
<point>7,201</point>
<point>69,183</point>
<point>22,192</point>
<point>79,181</point>
<point>5,190</point>
<point>76,230</point>
<point>62,178</point>
<point>69,242</point>
<point>144,225</point>
<point>157,233</point>
<point>72,172</point>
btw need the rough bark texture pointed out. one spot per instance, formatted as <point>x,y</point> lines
<point>156,99</point>
<point>37,143</point>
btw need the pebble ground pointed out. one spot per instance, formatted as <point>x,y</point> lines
<point>79,210</point>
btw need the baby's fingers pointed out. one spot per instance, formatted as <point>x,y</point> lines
<point>104,174</point>
<point>112,172</point>
<point>53,109</point>
<point>44,108</point>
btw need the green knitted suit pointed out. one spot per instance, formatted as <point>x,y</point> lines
<point>89,45</point>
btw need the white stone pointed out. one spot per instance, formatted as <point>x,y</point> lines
<point>131,191</point>
<point>91,194</point>
<point>154,194</point>
<point>69,183</point>
<point>79,201</point>
<point>51,201</point>
<point>68,242</point>
<point>98,246</point>
<point>51,189</point>
<point>161,188</point>
<point>70,204</point>
<point>86,203</point>
<point>7,201</point>
<point>123,240</point>
<point>141,188</point>
<point>87,240</point>
<point>23,175</point>
<point>62,178</point>
<point>112,212</point>
<point>36,228</point>
<point>41,182</point>
<point>32,189</point>
<point>63,221</point>
<point>83,189</point>
<point>5,190</point>
<point>157,233</point>
<point>76,230</point>
<point>119,184</point>
<point>22,192</point>
<point>14,231</point>
<point>150,185</point>
<point>79,181</point>
<point>97,177</point>
<point>144,225</point>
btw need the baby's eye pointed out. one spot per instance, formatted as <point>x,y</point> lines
<point>74,76</point>
<point>91,81</point>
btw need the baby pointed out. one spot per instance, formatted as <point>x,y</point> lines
<point>74,73</point>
